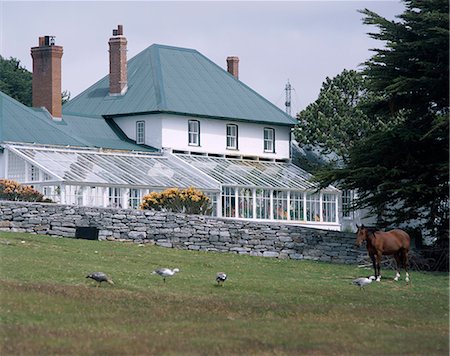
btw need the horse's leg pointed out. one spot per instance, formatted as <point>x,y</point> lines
<point>406,264</point>
<point>374,263</point>
<point>378,266</point>
<point>398,259</point>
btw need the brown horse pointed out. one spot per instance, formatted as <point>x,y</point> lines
<point>395,242</point>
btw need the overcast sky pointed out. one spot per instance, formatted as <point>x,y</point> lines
<point>303,41</point>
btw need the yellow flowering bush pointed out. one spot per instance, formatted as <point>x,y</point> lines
<point>12,190</point>
<point>189,201</point>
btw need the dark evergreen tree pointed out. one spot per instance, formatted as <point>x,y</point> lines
<point>336,120</point>
<point>15,80</point>
<point>402,174</point>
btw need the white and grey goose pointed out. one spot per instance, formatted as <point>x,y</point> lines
<point>363,281</point>
<point>165,272</point>
<point>100,277</point>
<point>221,277</point>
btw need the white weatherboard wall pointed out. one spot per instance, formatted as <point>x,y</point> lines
<point>171,131</point>
<point>2,165</point>
<point>152,128</point>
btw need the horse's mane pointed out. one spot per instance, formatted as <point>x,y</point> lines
<point>371,229</point>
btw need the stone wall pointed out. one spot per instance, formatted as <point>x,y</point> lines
<point>191,232</point>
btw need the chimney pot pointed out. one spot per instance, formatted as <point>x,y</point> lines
<point>233,66</point>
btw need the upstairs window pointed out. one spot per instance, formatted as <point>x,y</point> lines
<point>140,132</point>
<point>232,137</point>
<point>194,133</point>
<point>269,140</point>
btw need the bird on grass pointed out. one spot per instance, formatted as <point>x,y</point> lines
<point>165,272</point>
<point>363,281</point>
<point>100,277</point>
<point>221,277</point>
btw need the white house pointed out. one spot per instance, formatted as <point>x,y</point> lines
<point>168,117</point>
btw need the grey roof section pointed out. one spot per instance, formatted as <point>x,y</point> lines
<point>181,81</point>
<point>19,123</point>
<point>253,174</point>
<point>94,167</point>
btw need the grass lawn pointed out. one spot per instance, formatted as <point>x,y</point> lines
<point>267,306</point>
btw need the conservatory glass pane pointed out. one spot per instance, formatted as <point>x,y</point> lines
<point>262,204</point>
<point>228,202</point>
<point>296,209</point>
<point>312,207</point>
<point>280,208</point>
<point>329,207</point>
<point>245,203</point>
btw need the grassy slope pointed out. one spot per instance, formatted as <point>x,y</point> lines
<point>266,306</point>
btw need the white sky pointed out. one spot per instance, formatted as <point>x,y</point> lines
<point>303,41</point>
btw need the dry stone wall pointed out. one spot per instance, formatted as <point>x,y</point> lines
<point>191,232</point>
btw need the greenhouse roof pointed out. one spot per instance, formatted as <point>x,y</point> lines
<point>149,170</point>
<point>252,173</point>
<point>95,167</point>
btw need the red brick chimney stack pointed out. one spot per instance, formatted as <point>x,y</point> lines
<point>118,62</point>
<point>233,66</point>
<point>47,75</point>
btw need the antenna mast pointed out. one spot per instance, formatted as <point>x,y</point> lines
<point>288,89</point>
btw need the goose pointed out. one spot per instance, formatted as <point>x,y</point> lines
<point>221,277</point>
<point>363,281</point>
<point>100,277</point>
<point>165,272</point>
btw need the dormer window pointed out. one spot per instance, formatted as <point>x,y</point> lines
<point>140,132</point>
<point>232,137</point>
<point>194,133</point>
<point>269,140</point>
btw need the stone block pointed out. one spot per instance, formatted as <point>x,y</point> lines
<point>270,254</point>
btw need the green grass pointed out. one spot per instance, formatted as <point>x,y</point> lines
<point>267,306</point>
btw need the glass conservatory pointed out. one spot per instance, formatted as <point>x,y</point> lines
<point>238,188</point>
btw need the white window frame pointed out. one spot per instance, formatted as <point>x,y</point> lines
<point>229,202</point>
<point>312,211</point>
<point>329,207</point>
<point>297,206</point>
<point>262,202</point>
<point>194,133</point>
<point>245,203</point>
<point>280,205</point>
<point>269,140</point>
<point>114,197</point>
<point>232,136</point>
<point>347,200</point>
<point>140,132</point>
<point>134,198</point>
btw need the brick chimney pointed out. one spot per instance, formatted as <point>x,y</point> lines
<point>233,66</point>
<point>118,83</point>
<point>47,75</point>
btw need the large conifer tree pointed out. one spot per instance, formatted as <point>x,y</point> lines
<point>402,174</point>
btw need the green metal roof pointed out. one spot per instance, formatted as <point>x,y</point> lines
<point>181,81</point>
<point>19,123</point>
